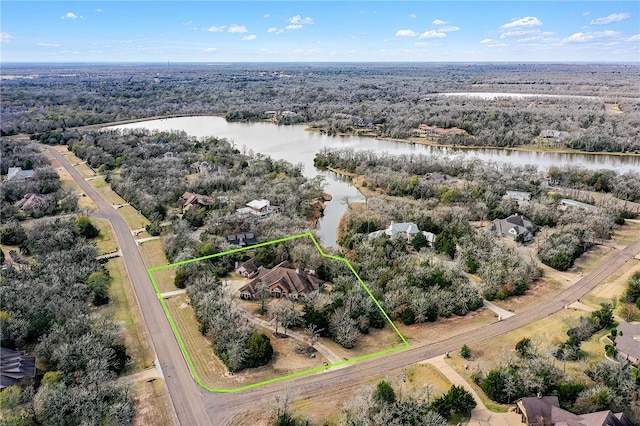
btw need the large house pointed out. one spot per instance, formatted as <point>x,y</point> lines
<point>189,200</point>
<point>545,410</point>
<point>16,174</point>
<point>282,281</point>
<point>256,208</point>
<point>31,201</point>
<point>515,227</point>
<point>15,366</point>
<point>407,230</point>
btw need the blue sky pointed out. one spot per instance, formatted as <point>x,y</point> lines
<point>305,31</point>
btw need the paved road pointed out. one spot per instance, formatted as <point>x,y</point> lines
<point>223,408</point>
<point>185,394</point>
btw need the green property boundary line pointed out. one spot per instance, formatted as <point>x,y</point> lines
<point>186,355</point>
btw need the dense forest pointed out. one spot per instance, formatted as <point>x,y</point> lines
<point>390,100</point>
<point>47,292</point>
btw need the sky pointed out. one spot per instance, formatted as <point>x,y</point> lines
<point>320,31</point>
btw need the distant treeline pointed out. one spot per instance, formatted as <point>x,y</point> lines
<point>389,99</point>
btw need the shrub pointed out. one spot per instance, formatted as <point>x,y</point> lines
<point>86,228</point>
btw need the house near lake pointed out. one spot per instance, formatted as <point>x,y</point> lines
<point>282,281</point>
<point>426,131</point>
<point>257,208</point>
<point>406,230</point>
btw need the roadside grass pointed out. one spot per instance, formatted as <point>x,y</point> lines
<point>100,185</point>
<point>83,169</point>
<point>152,403</point>
<point>153,254</point>
<point>125,311</point>
<point>106,241</point>
<point>134,219</point>
<point>206,364</point>
<point>627,233</point>
<point>613,287</point>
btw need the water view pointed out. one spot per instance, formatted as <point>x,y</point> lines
<point>298,146</point>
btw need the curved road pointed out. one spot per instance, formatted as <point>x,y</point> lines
<point>194,406</point>
<point>185,394</point>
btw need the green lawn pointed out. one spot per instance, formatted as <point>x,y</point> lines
<point>125,311</point>
<point>106,241</point>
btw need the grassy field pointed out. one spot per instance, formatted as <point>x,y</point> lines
<point>106,241</point>
<point>126,312</point>
<point>134,219</point>
<point>208,366</point>
<point>153,253</point>
<point>152,403</point>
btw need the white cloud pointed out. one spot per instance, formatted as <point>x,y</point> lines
<point>250,37</point>
<point>49,44</point>
<point>126,41</point>
<point>438,22</point>
<point>419,44</point>
<point>614,17</point>
<point>432,34</point>
<point>412,15</point>
<point>527,21</point>
<point>266,15</point>
<point>272,30</point>
<point>237,29</point>
<point>448,29</point>
<point>293,27</point>
<point>300,20</point>
<point>590,36</point>
<point>406,33</point>
<point>634,38</point>
<point>586,13</point>
<point>70,15</point>
<point>99,10</point>
<point>5,37</point>
<point>215,29</point>
<point>487,41</point>
<point>210,49</point>
<point>515,33</point>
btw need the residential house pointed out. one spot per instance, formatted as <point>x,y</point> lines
<point>545,410</point>
<point>628,340</point>
<point>566,202</point>
<point>205,167</point>
<point>406,230</point>
<point>242,239</point>
<point>425,131</point>
<point>250,268</point>
<point>256,208</point>
<point>170,155</point>
<point>522,198</point>
<point>361,122</point>
<point>31,201</point>
<point>515,227</point>
<point>555,135</point>
<point>283,281</point>
<point>190,199</point>
<point>15,366</point>
<point>16,174</point>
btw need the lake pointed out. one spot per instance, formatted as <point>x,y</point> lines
<point>296,145</point>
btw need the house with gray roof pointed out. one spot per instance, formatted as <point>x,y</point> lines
<point>628,340</point>
<point>15,366</point>
<point>545,410</point>
<point>515,227</point>
<point>16,174</point>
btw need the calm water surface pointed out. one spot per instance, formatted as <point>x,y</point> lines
<point>294,144</point>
